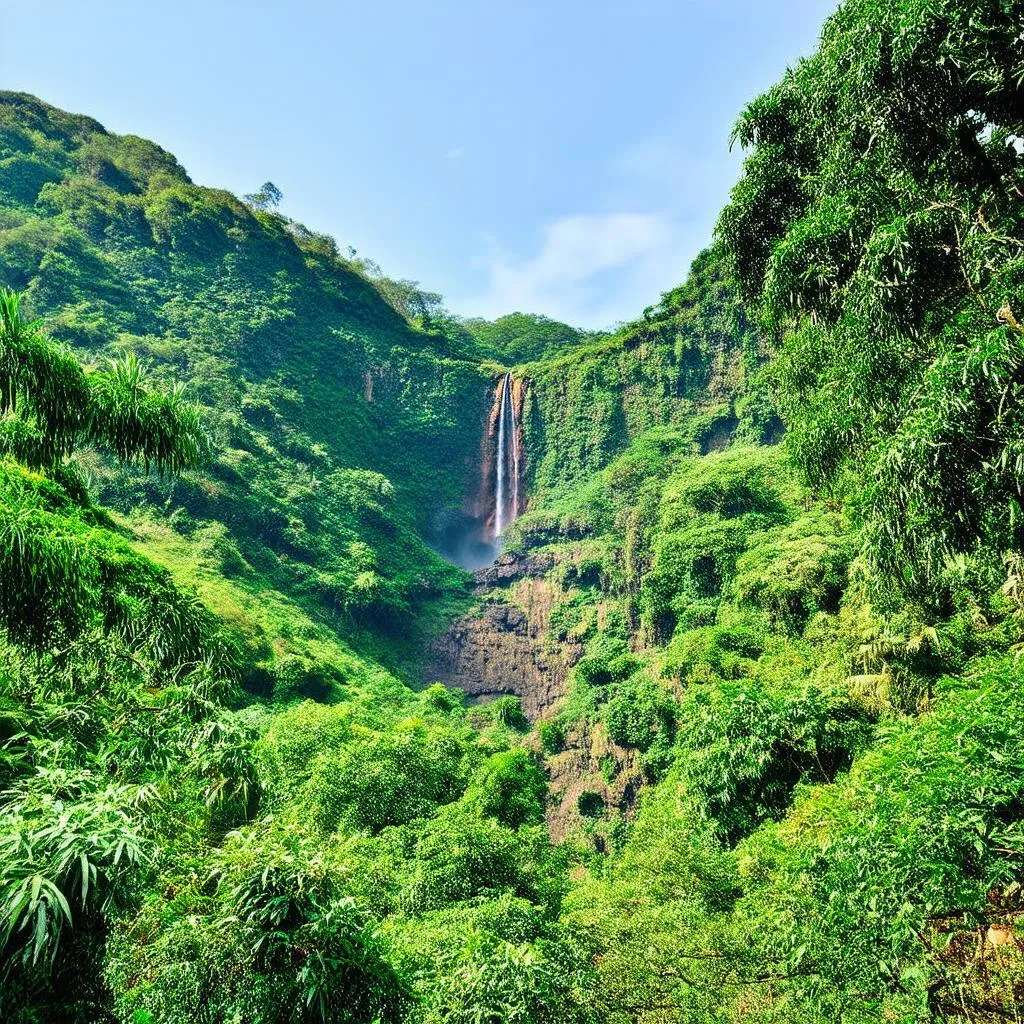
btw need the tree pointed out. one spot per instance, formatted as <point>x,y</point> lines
<point>49,404</point>
<point>268,197</point>
<point>54,576</point>
<point>878,228</point>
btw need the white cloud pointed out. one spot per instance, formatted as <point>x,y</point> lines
<point>578,274</point>
<point>594,269</point>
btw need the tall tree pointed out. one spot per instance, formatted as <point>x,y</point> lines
<point>879,224</point>
<point>49,405</point>
<point>268,197</point>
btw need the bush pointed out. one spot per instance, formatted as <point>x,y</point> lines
<point>385,780</point>
<point>304,679</point>
<point>573,619</point>
<point>728,652</point>
<point>277,941</point>
<point>608,660</point>
<point>637,711</point>
<point>458,856</point>
<point>510,787</point>
<point>298,736</point>
<point>551,734</point>
<point>795,571</point>
<point>745,746</point>
<point>507,711</point>
<point>442,699</point>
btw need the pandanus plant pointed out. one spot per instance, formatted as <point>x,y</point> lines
<point>50,404</point>
<point>50,574</point>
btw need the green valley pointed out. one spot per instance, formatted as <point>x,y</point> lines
<point>363,662</point>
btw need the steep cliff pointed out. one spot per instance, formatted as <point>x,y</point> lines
<point>502,647</point>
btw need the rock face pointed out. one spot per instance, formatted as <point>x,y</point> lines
<point>510,568</point>
<point>590,769</point>
<point>501,649</point>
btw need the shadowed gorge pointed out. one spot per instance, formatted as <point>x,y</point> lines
<point>363,662</point>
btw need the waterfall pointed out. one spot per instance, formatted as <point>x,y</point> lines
<point>472,537</point>
<point>506,463</point>
<point>499,468</point>
<point>516,447</point>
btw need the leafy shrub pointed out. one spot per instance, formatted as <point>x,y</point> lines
<point>510,787</point>
<point>442,699</point>
<point>573,619</point>
<point>279,940</point>
<point>796,571</point>
<point>551,734</point>
<point>507,711</point>
<point>24,177</point>
<point>729,484</point>
<point>385,780</point>
<point>458,856</point>
<point>301,734</point>
<point>608,660</point>
<point>725,651</point>
<point>588,572</point>
<point>495,979</point>
<point>745,746</point>
<point>638,710</point>
<point>302,679</point>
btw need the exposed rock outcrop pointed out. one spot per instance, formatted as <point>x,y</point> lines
<point>510,568</point>
<point>502,649</point>
<point>590,768</point>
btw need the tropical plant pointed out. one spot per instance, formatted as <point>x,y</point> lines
<point>877,226</point>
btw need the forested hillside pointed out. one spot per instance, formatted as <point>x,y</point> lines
<point>733,728</point>
<point>325,406</point>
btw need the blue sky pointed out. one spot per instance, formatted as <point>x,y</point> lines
<point>566,157</point>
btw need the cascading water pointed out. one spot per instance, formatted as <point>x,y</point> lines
<point>505,418</point>
<point>498,499</point>
<point>516,449</point>
<point>506,463</point>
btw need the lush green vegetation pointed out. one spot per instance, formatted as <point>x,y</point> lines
<point>324,404</point>
<point>878,229</point>
<point>814,648</point>
<point>525,337</point>
<point>833,788</point>
<point>173,850</point>
<point>791,750</point>
<point>692,353</point>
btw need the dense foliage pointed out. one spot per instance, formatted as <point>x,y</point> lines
<point>784,776</point>
<point>691,353</point>
<point>172,854</point>
<point>324,404</point>
<point>525,337</point>
<point>878,225</point>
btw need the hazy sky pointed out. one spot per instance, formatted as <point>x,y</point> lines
<point>559,156</point>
